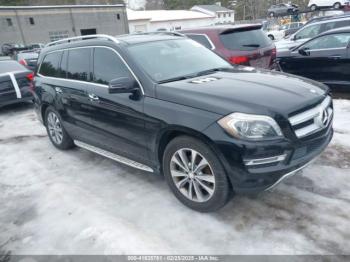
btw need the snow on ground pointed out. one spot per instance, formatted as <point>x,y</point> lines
<point>77,202</point>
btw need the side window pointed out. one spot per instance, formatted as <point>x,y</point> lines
<point>329,42</point>
<point>51,65</point>
<point>327,26</point>
<point>309,32</point>
<point>342,23</point>
<point>108,66</point>
<point>202,39</point>
<point>79,64</point>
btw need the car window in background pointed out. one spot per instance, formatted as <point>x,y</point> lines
<point>329,41</point>
<point>79,64</point>
<point>10,66</point>
<point>50,65</point>
<point>202,39</point>
<point>108,66</point>
<point>27,56</point>
<point>309,32</point>
<point>247,40</point>
<point>187,57</point>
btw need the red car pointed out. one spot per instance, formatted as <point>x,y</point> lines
<point>239,44</point>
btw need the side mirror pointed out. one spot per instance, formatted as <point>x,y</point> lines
<point>303,51</point>
<point>122,85</point>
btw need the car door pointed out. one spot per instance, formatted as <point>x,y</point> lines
<point>324,59</point>
<point>117,119</point>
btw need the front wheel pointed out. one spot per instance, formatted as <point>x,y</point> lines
<point>57,134</point>
<point>271,37</point>
<point>195,175</point>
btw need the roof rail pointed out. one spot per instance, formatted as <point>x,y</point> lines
<point>84,37</point>
<point>161,33</point>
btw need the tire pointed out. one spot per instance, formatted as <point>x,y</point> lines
<point>271,37</point>
<point>272,14</point>
<point>313,7</point>
<point>55,130</point>
<point>199,197</point>
<point>337,5</point>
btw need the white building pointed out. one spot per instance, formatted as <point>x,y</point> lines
<point>222,14</point>
<point>170,20</point>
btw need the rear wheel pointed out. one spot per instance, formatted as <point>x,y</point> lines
<point>337,5</point>
<point>271,37</point>
<point>195,175</point>
<point>57,134</point>
<point>313,7</point>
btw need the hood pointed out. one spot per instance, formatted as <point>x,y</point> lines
<point>245,90</point>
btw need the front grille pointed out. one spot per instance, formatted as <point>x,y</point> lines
<point>312,120</point>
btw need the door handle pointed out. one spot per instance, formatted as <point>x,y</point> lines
<point>93,97</point>
<point>58,90</point>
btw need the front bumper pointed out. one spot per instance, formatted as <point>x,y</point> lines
<point>256,177</point>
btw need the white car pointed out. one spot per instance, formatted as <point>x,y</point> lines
<point>310,31</point>
<point>275,34</point>
<point>337,4</point>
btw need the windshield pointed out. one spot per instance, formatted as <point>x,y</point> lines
<point>246,40</point>
<point>171,59</point>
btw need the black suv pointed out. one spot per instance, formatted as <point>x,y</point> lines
<point>164,103</point>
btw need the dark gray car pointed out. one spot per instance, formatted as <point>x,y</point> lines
<point>282,10</point>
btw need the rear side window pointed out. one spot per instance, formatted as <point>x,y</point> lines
<point>51,65</point>
<point>246,40</point>
<point>108,66</point>
<point>79,64</point>
<point>202,39</point>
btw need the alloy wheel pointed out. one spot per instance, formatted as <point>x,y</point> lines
<point>192,175</point>
<point>55,128</point>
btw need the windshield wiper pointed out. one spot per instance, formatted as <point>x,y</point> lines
<point>202,73</point>
<point>213,70</point>
<point>251,45</point>
<point>174,79</point>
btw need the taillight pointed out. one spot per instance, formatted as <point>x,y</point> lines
<point>274,52</point>
<point>23,62</point>
<point>30,77</point>
<point>239,60</point>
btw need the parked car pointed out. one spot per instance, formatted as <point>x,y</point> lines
<point>28,59</point>
<point>291,28</point>
<point>8,49</point>
<point>282,10</point>
<point>36,46</point>
<point>325,58</point>
<point>311,30</point>
<point>275,34</point>
<point>336,4</point>
<point>238,44</point>
<point>165,104</point>
<point>16,83</point>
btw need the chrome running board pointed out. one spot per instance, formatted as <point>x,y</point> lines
<point>110,155</point>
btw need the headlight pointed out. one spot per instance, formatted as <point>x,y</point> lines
<point>251,127</point>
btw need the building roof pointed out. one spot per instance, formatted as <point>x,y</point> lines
<point>214,8</point>
<point>165,15</point>
<point>57,6</point>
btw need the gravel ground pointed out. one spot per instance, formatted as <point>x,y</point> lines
<point>76,202</point>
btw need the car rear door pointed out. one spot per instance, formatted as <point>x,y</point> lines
<point>324,59</point>
<point>118,119</point>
